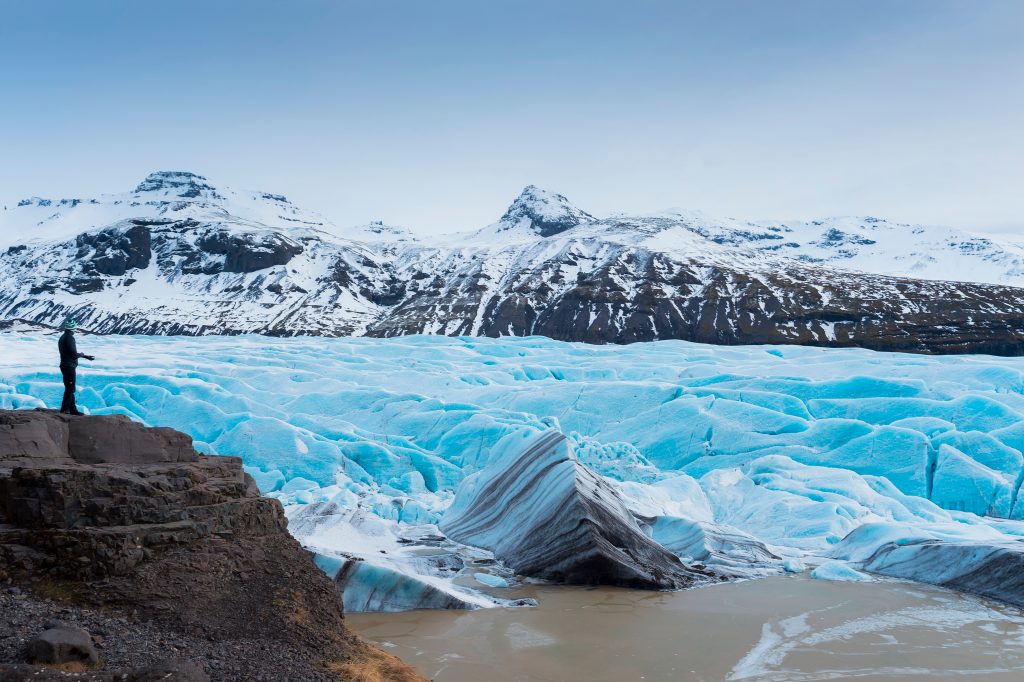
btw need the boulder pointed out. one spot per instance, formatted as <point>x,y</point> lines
<point>62,644</point>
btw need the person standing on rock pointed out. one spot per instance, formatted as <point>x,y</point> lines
<point>69,356</point>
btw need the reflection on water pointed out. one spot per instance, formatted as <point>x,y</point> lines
<point>784,628</point>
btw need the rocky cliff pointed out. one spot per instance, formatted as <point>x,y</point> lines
<point>102,517</point>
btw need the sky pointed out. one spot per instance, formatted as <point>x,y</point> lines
<point>434,115</point>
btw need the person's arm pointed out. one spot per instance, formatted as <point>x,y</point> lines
<point>74,350</point>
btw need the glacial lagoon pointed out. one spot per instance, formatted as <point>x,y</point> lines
<point>787,628</point>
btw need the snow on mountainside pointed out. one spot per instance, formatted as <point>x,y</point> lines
<point>860,244</point>
<point>178,255</point>
<point>879,246</point>
<point>164,194</point>
<point>535,213</point>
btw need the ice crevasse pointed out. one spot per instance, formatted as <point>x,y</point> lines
<point>736,460</point>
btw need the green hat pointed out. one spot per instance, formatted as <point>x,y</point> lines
<point>70,323</point>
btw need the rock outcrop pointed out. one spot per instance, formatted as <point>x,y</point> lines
<point>546,515</point>
<point>114,252</point>
<point>248,252</point>
<point>63,644</point>
<point>106,513</point>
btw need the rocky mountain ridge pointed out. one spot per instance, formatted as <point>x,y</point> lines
<point>181,256</point>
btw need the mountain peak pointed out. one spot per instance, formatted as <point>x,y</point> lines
<point>183,184</point>
<point>543,212</point>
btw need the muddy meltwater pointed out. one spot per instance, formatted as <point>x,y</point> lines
<point>782,628</point>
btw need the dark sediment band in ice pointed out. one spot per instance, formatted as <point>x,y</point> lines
<point>992,569</point>
<point>547,516</point>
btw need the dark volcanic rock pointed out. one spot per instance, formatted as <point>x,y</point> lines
<point>635,295</point>
<point>116,251</point>
<point>33,434</point>
<point>132,648</point>
<point>547,516</point>
<point>116,439</point>
<point>250,252</point>
<point>62,644</point>
<point>107,513</point>
<point>109,439</point>
<point>162,672</point>
<point>85,285</point>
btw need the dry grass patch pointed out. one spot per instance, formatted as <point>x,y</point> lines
<point>69,667</point>
<point>373,665</point>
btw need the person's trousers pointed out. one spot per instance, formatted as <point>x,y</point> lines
<point>68,404</point>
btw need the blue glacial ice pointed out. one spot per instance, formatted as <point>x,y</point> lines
<point>840,571</point>
<point>764,458</point>
<point>491,580</point>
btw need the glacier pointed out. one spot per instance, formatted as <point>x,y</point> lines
<point>546,515</point>
<point>741,460</point>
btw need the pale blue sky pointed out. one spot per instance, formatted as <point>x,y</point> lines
<point>435,114</point>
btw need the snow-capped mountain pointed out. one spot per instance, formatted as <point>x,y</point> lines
<point>178,255</point>
<point>537,213</point>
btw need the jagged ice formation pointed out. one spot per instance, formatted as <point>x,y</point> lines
<point>744,460</point>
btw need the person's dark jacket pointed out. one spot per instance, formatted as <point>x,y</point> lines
<point>69,350</point>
